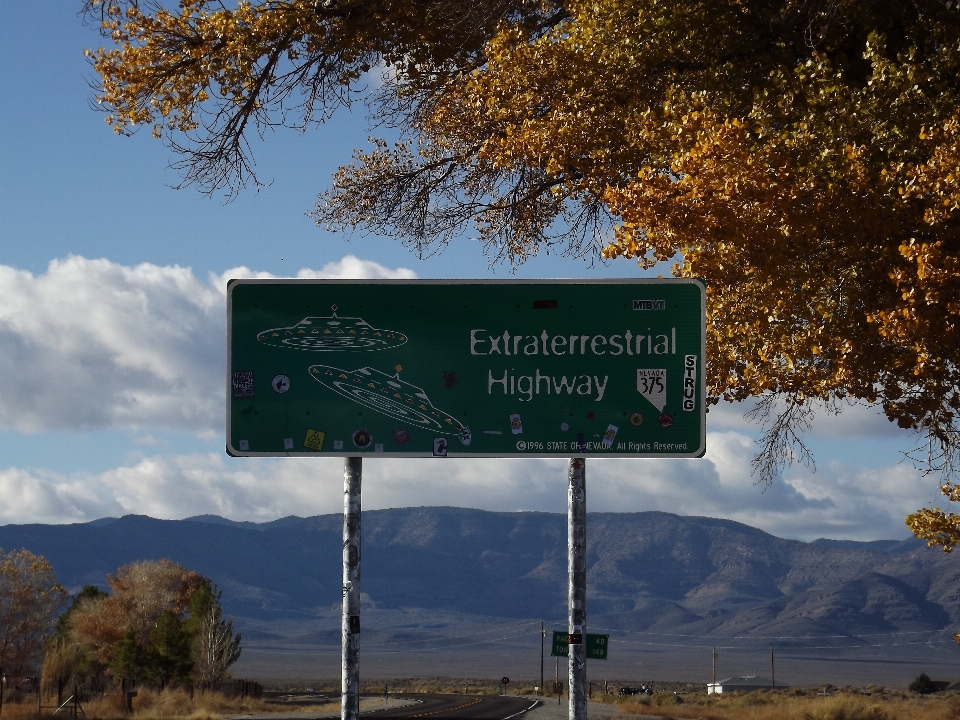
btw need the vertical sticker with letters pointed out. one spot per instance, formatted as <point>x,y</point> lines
<point>689,382</point>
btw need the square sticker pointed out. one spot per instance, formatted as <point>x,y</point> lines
<point>338,444</point>
<point>245,445</point>
<point>288,443</point>
<point>313,439</point>
<point>243,384</point>
<point>378,447</point>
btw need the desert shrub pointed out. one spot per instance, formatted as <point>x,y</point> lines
<point>752,699</point>
<point>921,684</point>
<point>20,710</point>
<point>635,705</point>
<point>172,703</point>
<point>845,709</point>
<point>661,699</point>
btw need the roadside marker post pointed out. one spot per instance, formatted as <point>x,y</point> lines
<point>543,635</point>
<point>467,368</point>
<point>577,586</point>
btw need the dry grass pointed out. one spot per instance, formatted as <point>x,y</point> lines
<point>151,705</point>
<point>794,705</point>
<point>777,706</point>
<point>176,704</point>
<point>20,711</point>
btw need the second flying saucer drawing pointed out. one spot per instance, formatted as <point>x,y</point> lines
<point>391,396</point>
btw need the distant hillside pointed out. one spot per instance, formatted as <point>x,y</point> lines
<point>646,571</point>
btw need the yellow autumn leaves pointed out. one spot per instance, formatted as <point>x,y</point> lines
<point>801,157</point>
<point>813,183</point>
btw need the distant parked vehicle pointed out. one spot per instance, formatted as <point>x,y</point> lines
<point>629,690</point>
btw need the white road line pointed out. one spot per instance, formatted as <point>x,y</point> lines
<point>535,703</point>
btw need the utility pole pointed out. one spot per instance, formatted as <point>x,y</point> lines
<point>557,683</point>
<point>773,672</point>
<point>714,668</point>
<point>577,586</point>
<point>350,619</point>
<point>543,635</point>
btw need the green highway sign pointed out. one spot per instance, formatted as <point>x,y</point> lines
<point>560,647</point>
<point>467,368</point>
<point>596,648</point>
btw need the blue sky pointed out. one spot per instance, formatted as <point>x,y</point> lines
<point>112,319</point>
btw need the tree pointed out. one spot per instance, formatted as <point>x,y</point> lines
<point>215,648</point>
<point>64,658</point>
<point>169,652</point>
<point>159,623</point>
<point>139,595</point>
<point>922,684</point>
<point>89,593</point>
<point>800,156</point>
<point>128,658</point>
<point>30,598</point>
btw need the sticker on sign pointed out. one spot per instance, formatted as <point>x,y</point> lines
<point>652,384</point>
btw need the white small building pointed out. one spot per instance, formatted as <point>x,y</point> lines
<point>744,683</point>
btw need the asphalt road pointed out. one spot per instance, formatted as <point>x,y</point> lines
<point>435,707</point>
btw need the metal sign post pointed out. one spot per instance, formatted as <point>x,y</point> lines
<point>577,586</point>
<point>350,621</point>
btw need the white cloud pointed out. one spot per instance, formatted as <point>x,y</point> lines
<point>349,267</point>
<point>837,502</point>
<point>93,344</point>
<point>854,421</point>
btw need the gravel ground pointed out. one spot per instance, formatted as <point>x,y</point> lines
<point>366,704</point>
<point>550,710</point>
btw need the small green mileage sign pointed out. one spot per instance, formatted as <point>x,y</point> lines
<point>466,368</point>
<point>596,646</point>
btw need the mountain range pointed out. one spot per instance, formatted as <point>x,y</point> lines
<point>649,571</point>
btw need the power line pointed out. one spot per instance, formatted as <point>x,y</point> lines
<point>775,637</point>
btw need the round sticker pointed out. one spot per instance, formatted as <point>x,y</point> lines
<point>564,427</point>
<point>362,438</point>
<point>636,419</point>
<point>665,421</point>
<point>280,384</point>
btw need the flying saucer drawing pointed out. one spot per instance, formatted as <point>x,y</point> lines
<point>391,396</point>
<point>333,334</point>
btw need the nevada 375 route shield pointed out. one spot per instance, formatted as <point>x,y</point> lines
<point>466,368</point>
